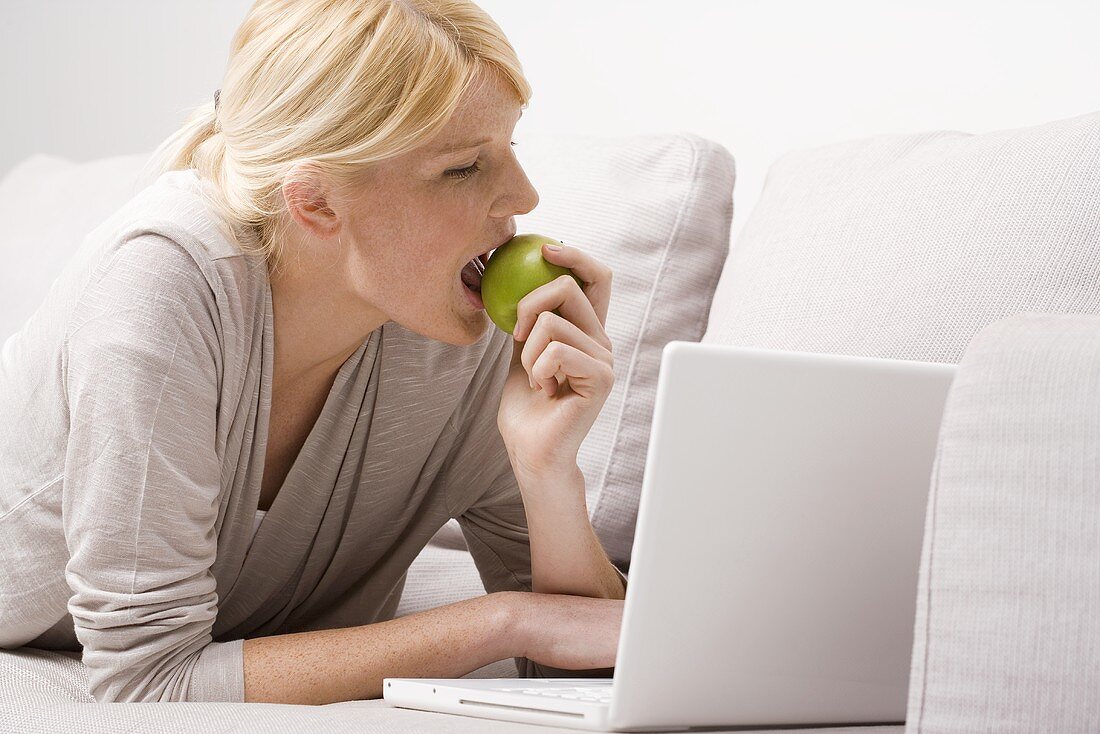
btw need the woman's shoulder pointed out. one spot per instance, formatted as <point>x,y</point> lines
<point>178,207</point>
<point>160,263</point>
<point>166,245</point>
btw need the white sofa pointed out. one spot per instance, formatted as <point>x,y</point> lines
<point>982,250</point>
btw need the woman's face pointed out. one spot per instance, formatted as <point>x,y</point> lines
<point>419,218</point>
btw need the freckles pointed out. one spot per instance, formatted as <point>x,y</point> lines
<point>421,267</point>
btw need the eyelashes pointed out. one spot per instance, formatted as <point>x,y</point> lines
<point>464,173</point>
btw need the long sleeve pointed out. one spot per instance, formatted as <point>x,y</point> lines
<point>495,524</point>
<point>142,479</point>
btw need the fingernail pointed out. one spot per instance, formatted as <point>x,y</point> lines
<point>554,248</point>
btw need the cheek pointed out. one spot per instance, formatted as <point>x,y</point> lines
<point>425,242</point>
<point>419,270</point>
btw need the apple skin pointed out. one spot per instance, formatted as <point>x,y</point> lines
<point>515,269</point>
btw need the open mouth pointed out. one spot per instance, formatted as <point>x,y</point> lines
<point>472,272</point>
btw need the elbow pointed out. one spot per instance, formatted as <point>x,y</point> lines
<point>213,673</point>
<point>139,685</point>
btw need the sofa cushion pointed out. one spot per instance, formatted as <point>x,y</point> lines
<point>905,246</point>
<point>1007,635</point>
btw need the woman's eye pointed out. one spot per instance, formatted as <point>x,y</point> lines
<point>465,172</point>
<point>468,171</point>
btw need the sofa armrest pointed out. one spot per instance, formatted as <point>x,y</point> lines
<point>1007,633</point>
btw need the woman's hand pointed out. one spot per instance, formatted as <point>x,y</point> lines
<point>562,369</point>
<point>568,632</point>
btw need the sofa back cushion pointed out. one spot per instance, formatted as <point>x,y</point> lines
<point>1007,634</point>
<point>905,246</point>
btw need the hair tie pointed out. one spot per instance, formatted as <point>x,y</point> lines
<point>217,98</point>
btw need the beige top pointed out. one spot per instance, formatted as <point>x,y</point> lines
<point>133,421</point>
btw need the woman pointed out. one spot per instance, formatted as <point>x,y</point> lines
<point>261,387</point>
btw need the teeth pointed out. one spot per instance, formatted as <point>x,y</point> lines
<point>471,275</point>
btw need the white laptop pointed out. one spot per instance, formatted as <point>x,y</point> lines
<point>773,576</point>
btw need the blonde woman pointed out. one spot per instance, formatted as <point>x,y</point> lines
<point>262,386</point>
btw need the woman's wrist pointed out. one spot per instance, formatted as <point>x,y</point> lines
<point>514,610</point>
<point>534,477</point>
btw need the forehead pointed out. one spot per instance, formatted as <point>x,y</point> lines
<point>488,111</point>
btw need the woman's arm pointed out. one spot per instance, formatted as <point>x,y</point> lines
<point>349,664</point>
<point>561,372</point>
<point>566,555</point>
<point>568,632</point>
<point>141,367</point>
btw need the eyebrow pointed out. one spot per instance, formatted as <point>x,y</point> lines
<point>440,152</point>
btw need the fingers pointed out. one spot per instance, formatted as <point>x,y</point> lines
<point>587,376</point>
<point>549,327</point>
<point>562,323</point>
<point>596,275</point>
<point>566,297</point>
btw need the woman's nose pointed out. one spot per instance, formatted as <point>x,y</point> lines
<point>520,197</point>
<point>530,198</point>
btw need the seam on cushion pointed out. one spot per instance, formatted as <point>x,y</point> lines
<point>684,203</point>
<point>933,499</point>
<point>716,274</point>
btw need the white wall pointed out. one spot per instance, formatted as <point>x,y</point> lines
<point>90,79</point>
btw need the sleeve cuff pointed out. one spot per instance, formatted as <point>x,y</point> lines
<point>218,674</point>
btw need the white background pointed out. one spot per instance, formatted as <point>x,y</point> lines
<point>91,79</point>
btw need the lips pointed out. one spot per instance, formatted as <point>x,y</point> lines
<point>472,271</point>
<point>484,256</point>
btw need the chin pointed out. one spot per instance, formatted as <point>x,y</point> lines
<point>457,323</point>
<point>461,330</point>
<point>476,326</point>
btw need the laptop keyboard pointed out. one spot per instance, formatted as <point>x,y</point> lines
<point>590,693</point>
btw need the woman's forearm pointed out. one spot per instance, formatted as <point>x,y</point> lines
<point>566,555</point>
<point>326,666</point>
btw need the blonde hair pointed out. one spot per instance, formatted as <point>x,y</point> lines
<point>342,84</point>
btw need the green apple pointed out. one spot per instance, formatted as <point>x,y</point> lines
<point>515,269</point>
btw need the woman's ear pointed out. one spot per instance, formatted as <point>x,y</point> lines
<point>307,202</point>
